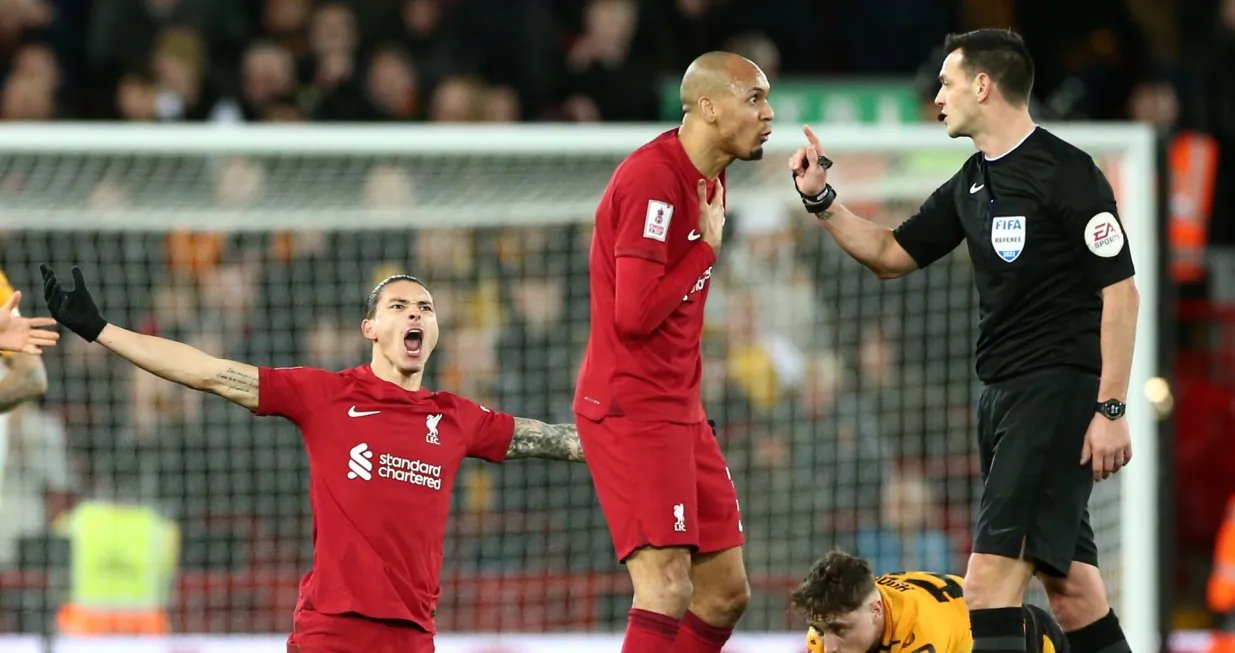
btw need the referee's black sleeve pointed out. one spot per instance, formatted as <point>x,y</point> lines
<point>935,230</point>
<point>1086,204</point>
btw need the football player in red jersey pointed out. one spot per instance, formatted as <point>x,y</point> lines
<point>658,470</point>
<point>383,452</point>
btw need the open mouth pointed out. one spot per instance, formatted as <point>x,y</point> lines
<point>763,138</point>
<point>413,341</point>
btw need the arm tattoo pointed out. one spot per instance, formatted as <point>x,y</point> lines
<point>238,381</point>
<point>534,439</point>
<point>26,380</point>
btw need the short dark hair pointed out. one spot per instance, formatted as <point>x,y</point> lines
<point>1000,53</point>
<point>370,305</point>
<point>837,584</point>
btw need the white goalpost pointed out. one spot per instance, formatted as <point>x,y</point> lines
<point>107,197</point>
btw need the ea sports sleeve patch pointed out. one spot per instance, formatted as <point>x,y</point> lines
<point>1103,235</point>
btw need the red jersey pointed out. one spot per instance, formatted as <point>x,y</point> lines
<point>382,462</point>
<point>649,272</point>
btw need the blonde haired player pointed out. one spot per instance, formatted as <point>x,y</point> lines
<point>850,610</point>
<point>22,375</point>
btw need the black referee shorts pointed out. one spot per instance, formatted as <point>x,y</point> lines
<point>1031,430</point>
<point>1042,633</point>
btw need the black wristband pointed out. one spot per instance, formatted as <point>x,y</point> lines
<point>821,202</point>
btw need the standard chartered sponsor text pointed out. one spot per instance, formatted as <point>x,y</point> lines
<point>414,472</point>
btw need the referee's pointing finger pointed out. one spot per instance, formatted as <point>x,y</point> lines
<point>811,138</point>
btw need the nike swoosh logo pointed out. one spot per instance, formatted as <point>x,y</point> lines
<point>975,188</point>
<point>352,412</point>
<point>693,235</point>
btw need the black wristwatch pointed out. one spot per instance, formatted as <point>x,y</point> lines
<point>1111,409</point>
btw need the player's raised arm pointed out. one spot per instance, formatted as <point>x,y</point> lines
<point>167,359</point>
<point>536,439</point>
<point>927,236</point>
<point>26,380</point>
<point>646,289</point>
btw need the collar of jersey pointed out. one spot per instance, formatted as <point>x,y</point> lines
<point>679,152</point>
<point>387,388</point>
<point>1003,156</point>
<point>889,630</point>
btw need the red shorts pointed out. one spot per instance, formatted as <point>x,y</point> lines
<point>661,484</point>
<point>314,632</point>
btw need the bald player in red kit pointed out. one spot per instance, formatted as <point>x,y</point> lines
<point>659,472</point>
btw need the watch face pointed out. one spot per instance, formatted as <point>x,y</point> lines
<point>1112,409</point>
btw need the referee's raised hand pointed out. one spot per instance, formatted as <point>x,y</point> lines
<point>1108,445</point>
<point>810,166</point>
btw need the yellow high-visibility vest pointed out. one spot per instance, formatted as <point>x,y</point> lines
<point>123,556</point>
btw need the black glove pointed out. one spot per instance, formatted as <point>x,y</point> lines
<point>74,308</point>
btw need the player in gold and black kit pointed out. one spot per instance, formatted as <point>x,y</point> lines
<point>852,611</point>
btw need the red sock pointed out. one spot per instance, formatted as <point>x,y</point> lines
<point>698,636</point>
<point>649,632</point>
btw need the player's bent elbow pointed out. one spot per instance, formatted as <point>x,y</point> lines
<point>631,327</point>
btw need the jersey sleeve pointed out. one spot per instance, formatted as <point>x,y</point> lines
<point>1085,202</point>
<point>291,392</point>
<point>489,432</point>
<point>645,197</point>
<point>935,230</point>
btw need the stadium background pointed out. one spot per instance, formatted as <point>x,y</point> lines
<point>843,403</point>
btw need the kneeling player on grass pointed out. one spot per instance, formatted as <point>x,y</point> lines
<point>852,611</point>
<point>383,452</point>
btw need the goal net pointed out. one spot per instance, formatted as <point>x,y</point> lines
<point>844,403</point>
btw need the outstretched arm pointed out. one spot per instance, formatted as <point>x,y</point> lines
<point>188,366</point>
<point>26,380</point>
<point>870,244</point>
<point>166,359</point>
<point>535,439</point>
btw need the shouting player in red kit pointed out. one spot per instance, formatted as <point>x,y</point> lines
<point>383,452</point>
<point>659,472</point>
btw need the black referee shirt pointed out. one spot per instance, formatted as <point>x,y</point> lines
<point>1045,237</point>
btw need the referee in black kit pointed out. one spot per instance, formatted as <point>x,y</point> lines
<point>1058,310</point>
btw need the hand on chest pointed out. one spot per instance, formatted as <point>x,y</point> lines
<point>683,220</point>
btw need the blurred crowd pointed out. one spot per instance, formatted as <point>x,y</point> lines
<point>493,60</point>
<point>843,403</point>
